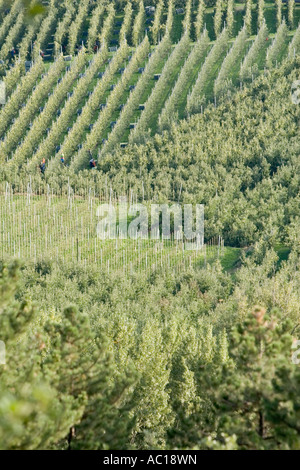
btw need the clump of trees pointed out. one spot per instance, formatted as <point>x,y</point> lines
<point>56,368</point>
<point>208,364</point>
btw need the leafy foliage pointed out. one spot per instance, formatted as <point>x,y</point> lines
<point>199,358</point>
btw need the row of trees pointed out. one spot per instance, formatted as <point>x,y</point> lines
<point>239,159</point>
<point>223,83</point>
<point>93,139</point>
<point>197,55</point>
<point>127,22</point>
<point>9,20</point>
<point>47,147</point>
<point>52,107</point>
<point>294,45</point>
<point>66,22</point>
<point>155,100</point>
<point>20,93</point>
<point>197,96</point>
<point>202,90</point>
<point>226,10</point>
<point>18,129</point>
<point>274,52</point>
<point>115,137</point>
<point>45,31</point>
<point>76,134</point>
<point>249,66</point>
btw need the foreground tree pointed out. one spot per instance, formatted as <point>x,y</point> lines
<point>56,377</point>
<point>253,396</point>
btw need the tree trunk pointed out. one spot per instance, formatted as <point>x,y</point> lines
<point>261,429</point>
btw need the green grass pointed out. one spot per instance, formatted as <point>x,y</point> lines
<point>58,229</point>
<point>55,228</point>
<point>177,28</point>
<point>231,258</point>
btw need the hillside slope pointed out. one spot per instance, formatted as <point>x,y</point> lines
<point>240,159</point>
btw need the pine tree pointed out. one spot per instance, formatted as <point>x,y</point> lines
<point>248,15</point>
<point>200,18</point>
<point>156,26</point>
<point>260,14</point>
<point>86,369</point>
<point>31,415</point>
<point>291,8</point>
<point>57,377</point>
<point>186,403</point>
<point>218,17</point>
<point>186,24</point>
<point>254,395</point>
<point>279,12</point>
<point>137,30</point>
<point>230,16</point>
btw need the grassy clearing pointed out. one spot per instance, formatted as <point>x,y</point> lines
<point>65,229</point>
<point>231,258</point>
